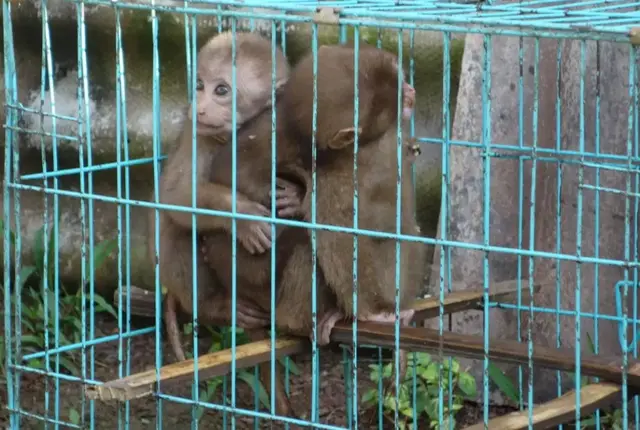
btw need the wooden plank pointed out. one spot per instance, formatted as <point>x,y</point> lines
<point>143,301</point>
<point>558,411</point>
<point>209,365</point>
<point>464,300</point>
<point>460,345</point>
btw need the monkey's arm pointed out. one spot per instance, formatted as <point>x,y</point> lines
<point>210,196</point>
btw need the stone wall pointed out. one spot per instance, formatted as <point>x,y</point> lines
<point>137,44</point>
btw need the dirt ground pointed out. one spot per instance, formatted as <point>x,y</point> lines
<point>142,412</point>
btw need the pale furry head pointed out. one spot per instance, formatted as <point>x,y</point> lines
<point>254,78</point>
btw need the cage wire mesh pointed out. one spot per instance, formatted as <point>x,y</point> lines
<point>534,180</point>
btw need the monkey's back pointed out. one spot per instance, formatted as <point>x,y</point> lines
<point>377,179</point>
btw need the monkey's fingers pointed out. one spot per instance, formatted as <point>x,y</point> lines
<point>249,317</point>
<point>262,233</point>
<point>406,316</point>
<point>288,207</point>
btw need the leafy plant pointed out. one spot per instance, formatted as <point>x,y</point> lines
<point>209,387</point>
<point>428,386</point>
<point>40,301</point>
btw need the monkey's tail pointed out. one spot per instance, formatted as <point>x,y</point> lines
<point>173,334</point>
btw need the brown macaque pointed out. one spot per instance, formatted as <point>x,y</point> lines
<point>213,128</point>
<point>293,265</point>
<point>377,179</point>
<point>253,185</point>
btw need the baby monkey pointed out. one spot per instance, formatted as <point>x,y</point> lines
<point>213,130</point>
<point>378,79</point>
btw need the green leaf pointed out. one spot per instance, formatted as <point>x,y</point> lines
<point>25,273</point>
<point>407,412</point>
<point>467,384</point>
<point>390,402</point>
<point>51,258</point>
<point>387,370</point>
<point>207,394</point>
<point>430,373</point>
<point>423,358</point>
<point>26,324</point>
<point>293,367</point>
<point>104,306</point>
<point>588,422</point>
<point>38,249</point>
<point>102,250</point>
<point>592,346</point>
<point>69,365</point>
<point>504,383</point>
<point>74,416</point>
<point>455,366</point>
<point>33,340</point>
<point>253,382</point>
<point>370,397</point>
<point>456,407</point>
<point>12,236</point>
<point>35,363</point>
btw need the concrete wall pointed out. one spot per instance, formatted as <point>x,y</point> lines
<point>138,59</point>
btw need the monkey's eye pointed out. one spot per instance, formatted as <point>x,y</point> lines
<point>221,90</point>
<point>199,85</point>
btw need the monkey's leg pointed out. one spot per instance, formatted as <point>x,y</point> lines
<point>283,404</point>
<point>214,303</point>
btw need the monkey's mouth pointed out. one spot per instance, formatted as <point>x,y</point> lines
<point>208,129</point>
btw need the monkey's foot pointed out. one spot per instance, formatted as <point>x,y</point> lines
<point>409,100</point>
<point>288,199</point>
<point>326,324</point>
<point>249,316</point>
<point>386,317</point>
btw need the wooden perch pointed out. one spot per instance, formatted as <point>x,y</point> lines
<point>143,301</point>
<point>561,410</point>
<point>460,345</point>
<point>209,365</point>
<point>464,300</point>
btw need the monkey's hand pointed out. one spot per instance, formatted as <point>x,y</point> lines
<point>248,315</point>
<point>288,199</point>
<point>255,236</point>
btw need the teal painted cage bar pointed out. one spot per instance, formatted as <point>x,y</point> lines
<point>554,85</point>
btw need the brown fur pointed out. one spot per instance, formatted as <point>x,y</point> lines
<point>376,176</point>
<point>377,173</point>
<point>293,250</point>
<point>253,71</point>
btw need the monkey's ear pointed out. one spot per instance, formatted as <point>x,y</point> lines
<point>279,87</point>
<point>344,138</point>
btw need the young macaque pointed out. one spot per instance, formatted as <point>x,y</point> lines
<point>377,179</point>
<point>213,128</point>
<point>253,183</point>
<point>293,268</point>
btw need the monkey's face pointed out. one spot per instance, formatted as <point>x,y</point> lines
<point>214,96</point>
<point>213,106</point>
